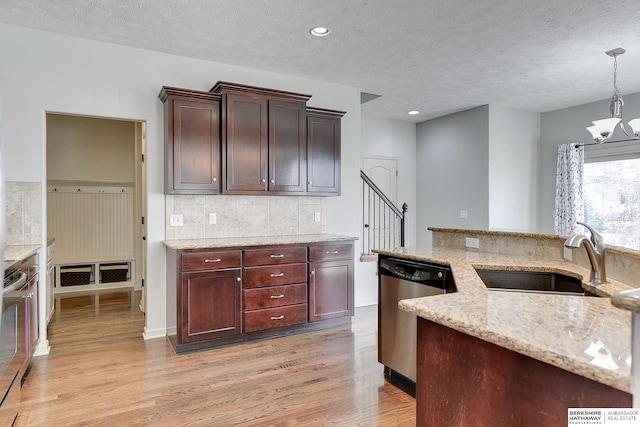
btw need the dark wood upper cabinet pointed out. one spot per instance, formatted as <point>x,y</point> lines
<point>323,151</point>
<point>264,149</point>
<point>238,139</point>
<point>192,141</point>
<point>287,147</point>
<point>245,150</point>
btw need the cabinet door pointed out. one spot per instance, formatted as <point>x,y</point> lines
<point>330,289</point>
<point>323,155</point>
<point>210,305</point>
<point>287,147</point>
<point>194,147</point>
<point>246,147</point>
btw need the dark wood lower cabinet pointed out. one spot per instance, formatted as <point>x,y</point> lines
<point>329,292</point>
<point>211,302</point>
<point>465,381</point>
<point>330,281</point>
<point>232,295</point>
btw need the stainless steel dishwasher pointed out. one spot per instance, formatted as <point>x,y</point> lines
<point>402,279</point>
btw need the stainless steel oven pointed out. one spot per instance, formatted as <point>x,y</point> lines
<point>12,342</point>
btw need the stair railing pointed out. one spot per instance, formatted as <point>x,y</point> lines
<point>383,222</point>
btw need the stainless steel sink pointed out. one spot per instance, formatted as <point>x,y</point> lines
<point>532,281</point>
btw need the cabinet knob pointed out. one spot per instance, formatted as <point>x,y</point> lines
<point>310,183</point>
<point>313,272</point>
<point>273,181</point>
<point>264,180</point>
<point>238,279</point>
<point>215,179</point>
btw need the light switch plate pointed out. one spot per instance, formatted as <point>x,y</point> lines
<point>463,214</point>
<point>213,218</point>
<point>176,220</point>
<point>316,217</point>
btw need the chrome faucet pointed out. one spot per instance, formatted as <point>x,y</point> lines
<point>595,251</point>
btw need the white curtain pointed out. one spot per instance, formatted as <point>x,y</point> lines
<point>569,200</point>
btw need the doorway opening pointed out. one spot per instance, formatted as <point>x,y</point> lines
<point>96,204</point>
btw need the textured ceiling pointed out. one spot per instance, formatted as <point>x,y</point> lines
<point>435,56</point>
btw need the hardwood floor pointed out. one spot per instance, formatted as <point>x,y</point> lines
<point>100,372</point>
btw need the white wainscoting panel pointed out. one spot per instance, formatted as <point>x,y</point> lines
<point>91,222</point>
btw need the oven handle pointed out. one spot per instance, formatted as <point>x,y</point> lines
<point>16,285</point>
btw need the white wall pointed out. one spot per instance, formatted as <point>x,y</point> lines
<point>514,138</point>
<point>43,72</point>
<point>565,126</point>
<point>395,139</point>
<point>89,149</point>
<point>452,172</point>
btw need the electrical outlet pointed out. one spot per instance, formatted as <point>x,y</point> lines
<point>472,242</point>
<point>176,220</point>
<point>213,218</point>
<point>316,217</point>
<point>463,214</point>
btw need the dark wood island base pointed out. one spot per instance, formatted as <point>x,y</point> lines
<point>465,381</point>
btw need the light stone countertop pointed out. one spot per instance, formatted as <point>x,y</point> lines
<point>555,329</point>
<point>232,242</point>
<point>19,252</point>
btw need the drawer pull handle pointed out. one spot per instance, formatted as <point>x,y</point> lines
<point>277,296</point>
<point>213,260</point>
<point>277,256</point>
<point>277,275</point>
<point>277,318</point>
<point>331,252</point>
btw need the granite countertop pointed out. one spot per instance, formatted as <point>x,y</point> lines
<point>19,252</point>
<point>555,329</point>
<point>231,242</point>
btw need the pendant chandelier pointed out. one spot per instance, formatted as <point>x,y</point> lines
<point>603,129</point>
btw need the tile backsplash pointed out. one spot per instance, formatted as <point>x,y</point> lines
<point>243,216</point>
<point>24,213</point>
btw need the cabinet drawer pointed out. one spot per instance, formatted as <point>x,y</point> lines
<point>211,260</point>
<point>275,296</point>
<point>274,256</point>
<point>256,277</point>
<point>330,252</point>
<point>275,317</point>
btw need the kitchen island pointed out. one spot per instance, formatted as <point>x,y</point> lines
<point>515,358</point>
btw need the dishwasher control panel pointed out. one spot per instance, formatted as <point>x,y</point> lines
<point>413,271</point>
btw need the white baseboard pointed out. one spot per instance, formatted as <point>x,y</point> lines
<point>155,333</point>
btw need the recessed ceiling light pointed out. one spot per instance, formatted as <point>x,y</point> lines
<point>319,31</point>
<point>414,112</point>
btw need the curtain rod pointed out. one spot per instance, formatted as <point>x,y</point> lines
<point>580,144</point>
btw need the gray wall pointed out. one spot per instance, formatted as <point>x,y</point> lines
<point>565,126</point>
<point>514,140</point>
<point>452,172</point>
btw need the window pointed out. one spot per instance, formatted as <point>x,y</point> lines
<point>612,194</point>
